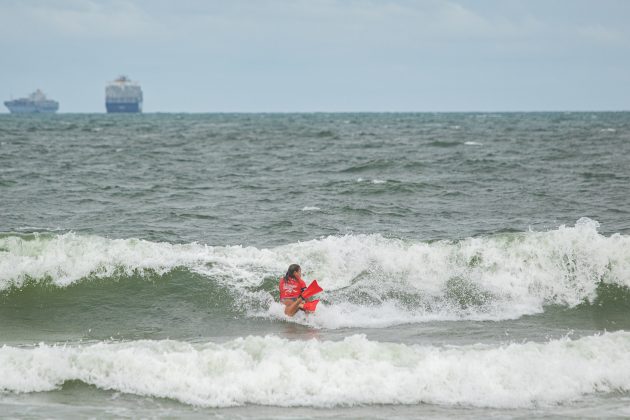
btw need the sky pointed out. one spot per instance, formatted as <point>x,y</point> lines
<point>321,55</point>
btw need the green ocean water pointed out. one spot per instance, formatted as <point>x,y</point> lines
<point>474,264</point>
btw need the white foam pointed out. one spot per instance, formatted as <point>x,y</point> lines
<point>274,371</point>
<point>473,143</point>
<point>374,181</point>
<point>310,208</point>
<point>369,280</point>
<point>68,258</point>
<point>347,315</point>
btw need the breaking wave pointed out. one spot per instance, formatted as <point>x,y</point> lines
<point>262,370</point>
<point>369,280</point>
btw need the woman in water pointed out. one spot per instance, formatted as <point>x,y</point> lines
<point>291,287</point>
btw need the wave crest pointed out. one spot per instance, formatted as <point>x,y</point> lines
<point>369,280</point>
<point>259,370</point>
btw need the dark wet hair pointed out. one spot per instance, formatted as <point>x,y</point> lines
<point>291,271</point>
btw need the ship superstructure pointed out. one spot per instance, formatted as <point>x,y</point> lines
<point>123,95</point>
<point>35,103</point>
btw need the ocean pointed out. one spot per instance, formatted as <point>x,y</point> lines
<point>473,264</point>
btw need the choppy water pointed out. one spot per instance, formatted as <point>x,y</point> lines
<point>474,265</point>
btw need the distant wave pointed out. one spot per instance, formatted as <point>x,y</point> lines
<point>374,181</point>
<point>369,280</point>
<point>259,370</point>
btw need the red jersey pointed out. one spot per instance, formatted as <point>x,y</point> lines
<point>291,289</point>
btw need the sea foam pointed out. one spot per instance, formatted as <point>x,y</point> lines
<point>274,371</point>
<point>369,280</point>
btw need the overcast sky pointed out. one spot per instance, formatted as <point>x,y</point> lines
<point>321,55</point>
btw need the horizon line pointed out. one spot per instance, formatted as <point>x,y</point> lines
<point>331,112</point>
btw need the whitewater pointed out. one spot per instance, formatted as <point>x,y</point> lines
<point>254,370</point>
<point>371,281</point>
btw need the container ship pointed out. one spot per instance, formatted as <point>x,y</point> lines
<point>123,95</point>
<point>35,103</point>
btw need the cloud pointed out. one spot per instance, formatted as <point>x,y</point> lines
<point>41,21</point>
<point>601,35</point>
<point>332,24</point>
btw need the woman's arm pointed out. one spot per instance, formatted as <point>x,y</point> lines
<point>291,307</point>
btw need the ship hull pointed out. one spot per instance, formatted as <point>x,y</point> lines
<point>123,107</point>
<point>30,108</point>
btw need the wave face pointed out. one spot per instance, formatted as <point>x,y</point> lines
<point>274,371</point>
<point>370,280</point>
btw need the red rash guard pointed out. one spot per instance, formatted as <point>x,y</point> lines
<point>291,289</point>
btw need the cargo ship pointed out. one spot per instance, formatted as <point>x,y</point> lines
<point>123,95</point>
<point>35,103</point>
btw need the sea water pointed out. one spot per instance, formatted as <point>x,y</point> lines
<point>474,265</point>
